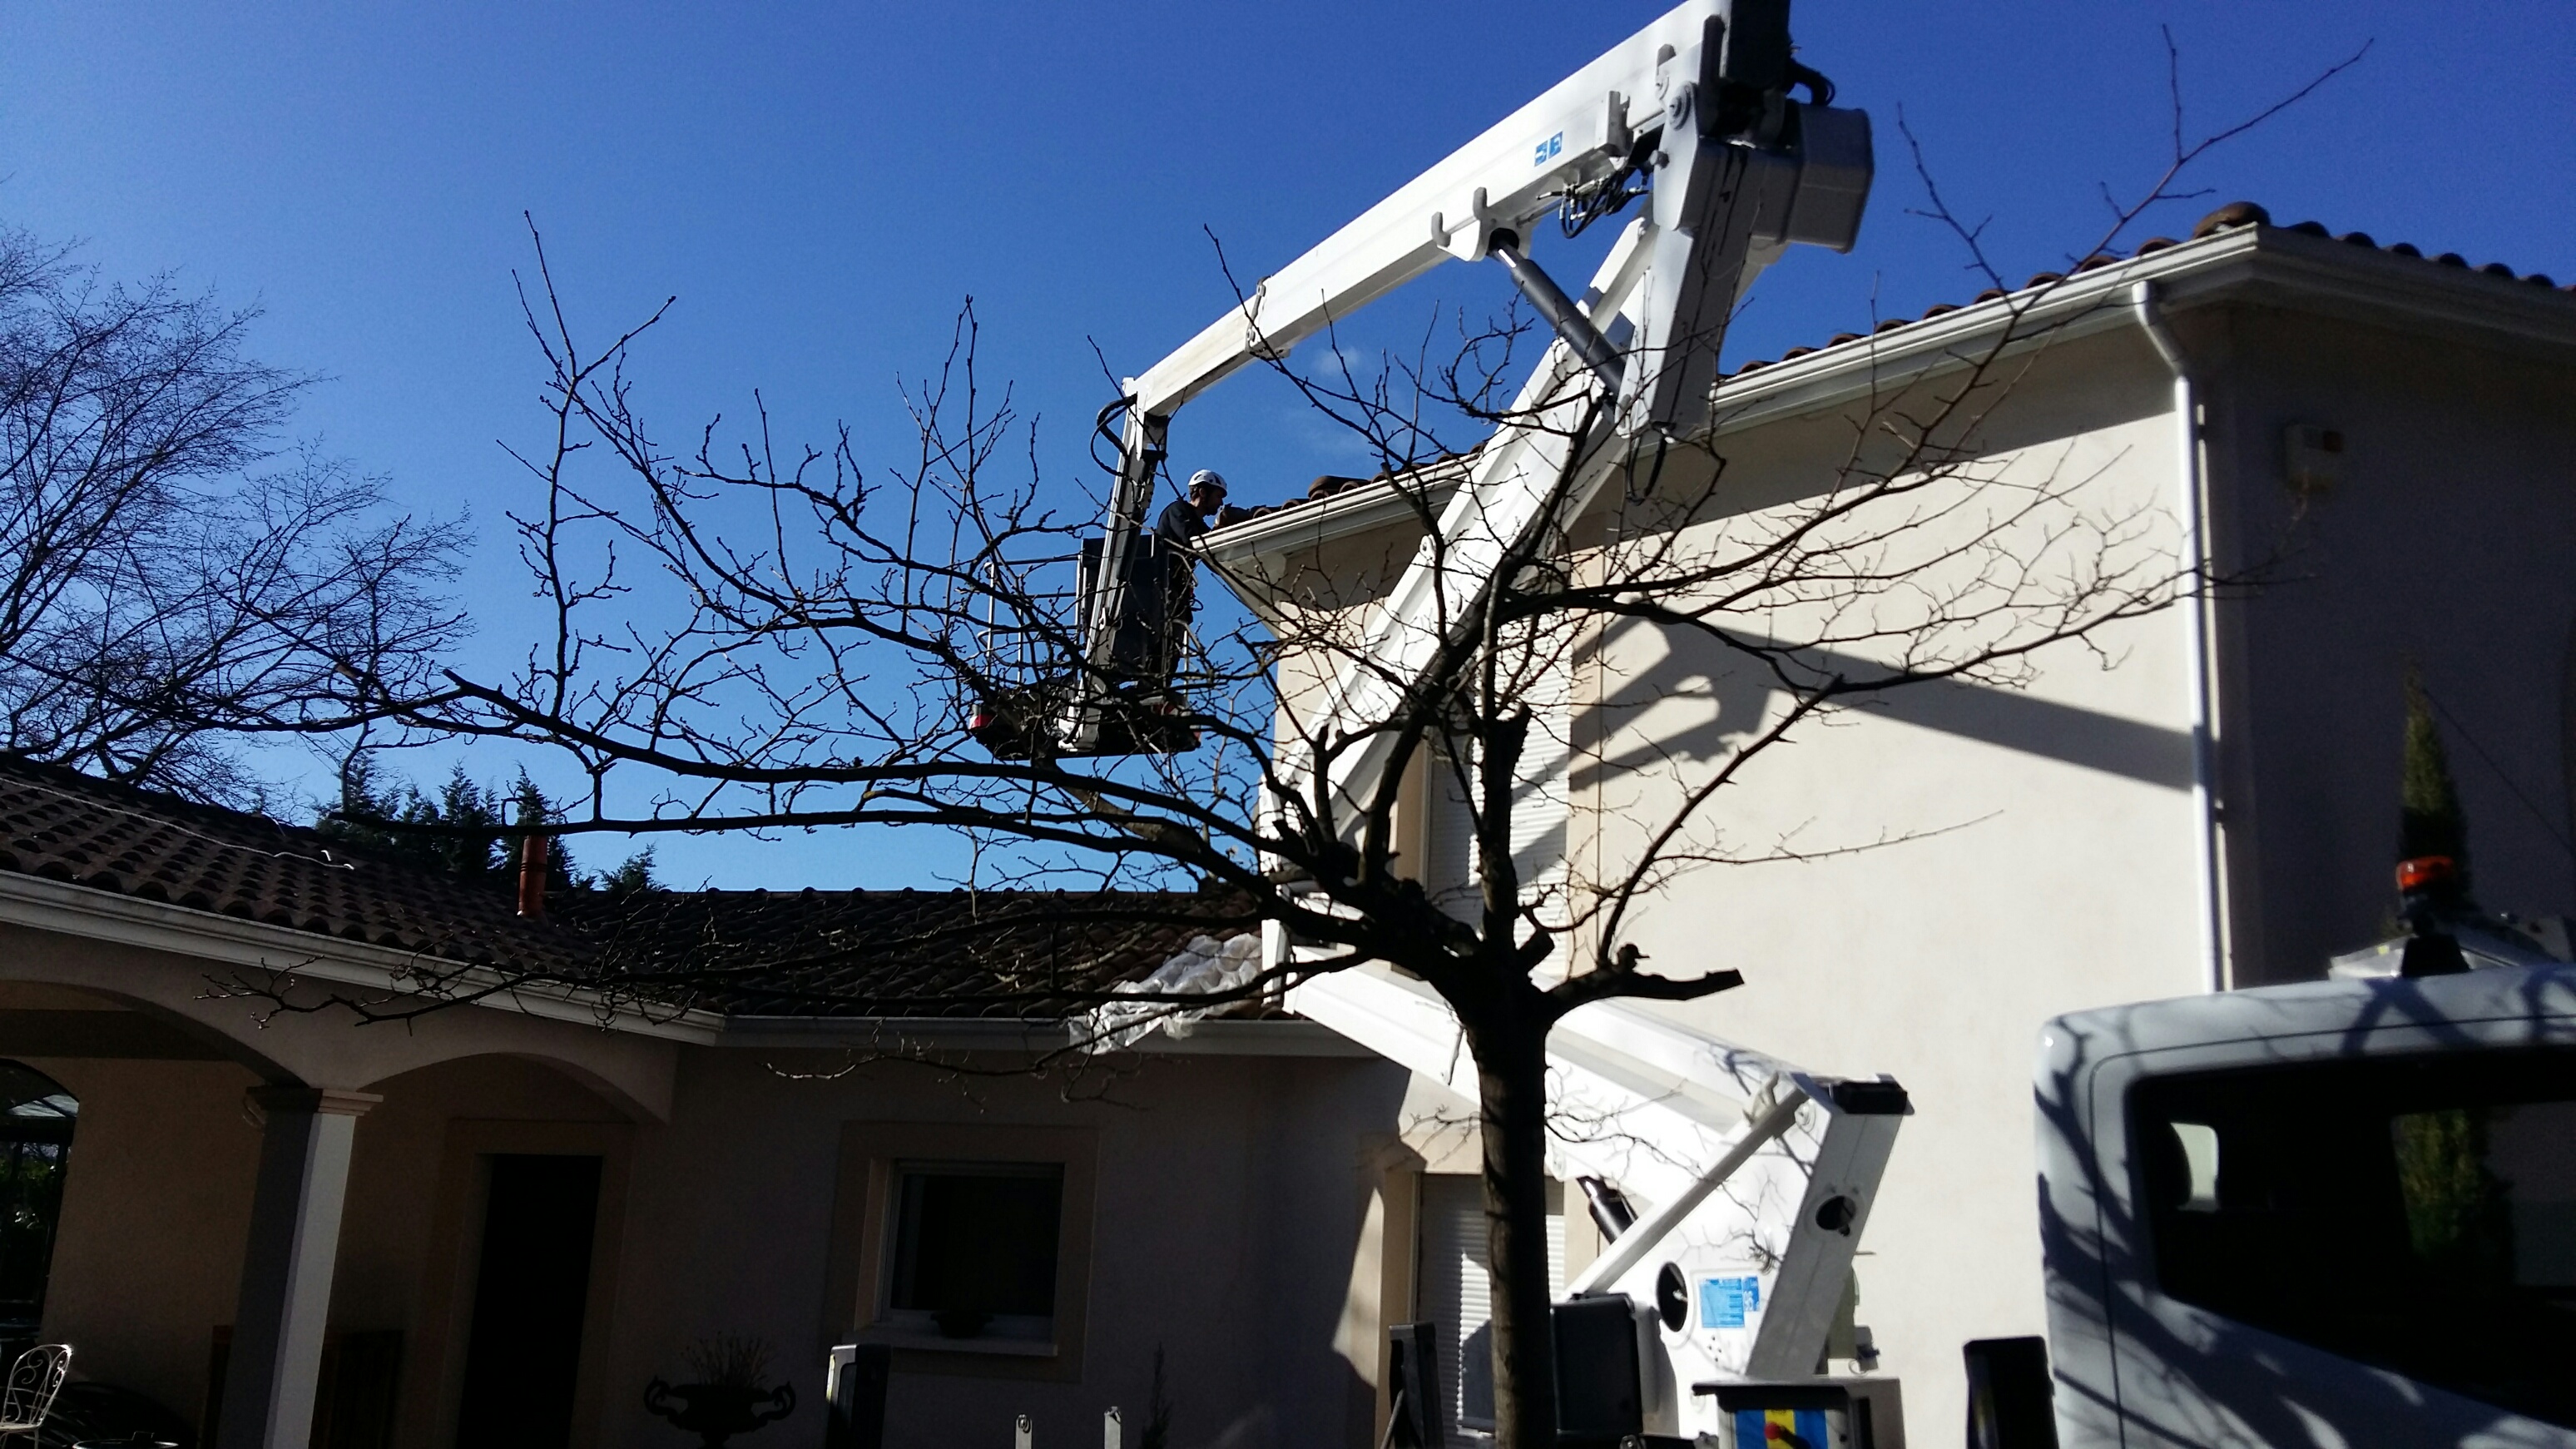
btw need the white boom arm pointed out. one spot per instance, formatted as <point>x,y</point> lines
<point>1697,104</point>
<point>1508,177</point>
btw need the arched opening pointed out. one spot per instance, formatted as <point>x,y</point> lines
<point>36,1120</point>
<point>522,1164</point>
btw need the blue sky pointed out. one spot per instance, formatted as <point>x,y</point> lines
<point>822,186</point>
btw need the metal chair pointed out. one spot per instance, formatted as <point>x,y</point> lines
<point>33,1381</point>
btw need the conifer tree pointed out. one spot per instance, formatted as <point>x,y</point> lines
<point>388,814</point>
<point>462,828</point>
<point>2430,821</point>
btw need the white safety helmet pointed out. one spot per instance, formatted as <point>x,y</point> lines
<point>1206,478</point>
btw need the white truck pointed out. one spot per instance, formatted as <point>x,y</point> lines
<point>2340,1213</point>
<point>2333,1214</point>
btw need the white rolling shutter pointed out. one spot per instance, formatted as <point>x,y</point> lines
<point>1449,836</point>
<point>1539,803</point>
<point>1539,810</point>
<point>1453,1290</point>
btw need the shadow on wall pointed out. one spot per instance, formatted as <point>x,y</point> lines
<point>1717,700</point>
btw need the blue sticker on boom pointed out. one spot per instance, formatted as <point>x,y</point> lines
<point>1729,1302</point>
<point>1549,149</point>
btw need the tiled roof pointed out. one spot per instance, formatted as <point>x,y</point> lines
<point>66,826</point>
<point>2234,214</point>
<point>901,953</point>
<point>891,953</point>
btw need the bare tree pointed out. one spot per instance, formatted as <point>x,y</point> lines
<point>171,580</point>
<point>747,636</point>
<point>825,642</point>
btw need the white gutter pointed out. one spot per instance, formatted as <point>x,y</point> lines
<point>43,904</point>
<point>1363,507</point>
<point>2283,268</point>
<point>2192,603</point>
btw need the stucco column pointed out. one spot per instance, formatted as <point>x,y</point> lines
<point>285,1302</point>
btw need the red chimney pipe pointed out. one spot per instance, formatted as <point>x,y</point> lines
<point>532,875</point>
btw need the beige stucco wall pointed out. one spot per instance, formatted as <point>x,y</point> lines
<point>156,1204</point>
<point>158,1194</point>
<point>2051,865</point>
<point>1987,857</point>
<point>2038,851</point>
<point>2449,541</point>
<point>1228,1215</point>
<point>1228,1221</point>
<point>1980,859</point>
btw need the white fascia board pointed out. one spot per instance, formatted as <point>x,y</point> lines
<point>2365,284</point>
<point>1220,1037</point>
<point>2299,273</point>
<point>1364,509</point>
<point>2315,275</point>
<point>96,915</point>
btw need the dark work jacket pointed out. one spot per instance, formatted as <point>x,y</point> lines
<point>1176,526</point>
<point>1180,522</point>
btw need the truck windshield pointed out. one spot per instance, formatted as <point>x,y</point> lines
<point>2414,1213</point>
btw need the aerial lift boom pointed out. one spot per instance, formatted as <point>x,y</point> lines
<point>1695,116</point>
<point>2232,1248</point>
<point>1697,107</point>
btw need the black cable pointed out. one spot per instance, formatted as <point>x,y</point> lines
<point>1820,91</point>
<point>1117,444</point>
<point>2510,784</point>
<point>1588,203</point>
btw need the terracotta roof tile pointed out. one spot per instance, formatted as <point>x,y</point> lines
<point>904,953</point>
<point>2233,214</point>
<point>907,953</point>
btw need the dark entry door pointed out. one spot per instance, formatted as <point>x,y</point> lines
<point>524,1349</point>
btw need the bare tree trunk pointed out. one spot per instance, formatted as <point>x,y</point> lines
<point>1511,1068</point>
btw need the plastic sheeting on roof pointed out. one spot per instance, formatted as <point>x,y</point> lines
<point>1206,966</point>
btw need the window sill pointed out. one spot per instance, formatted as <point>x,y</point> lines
<point>911,1342</point>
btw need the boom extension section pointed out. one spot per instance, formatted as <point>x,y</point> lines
<point>1759,1179</point>
<point>1695,114</point>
